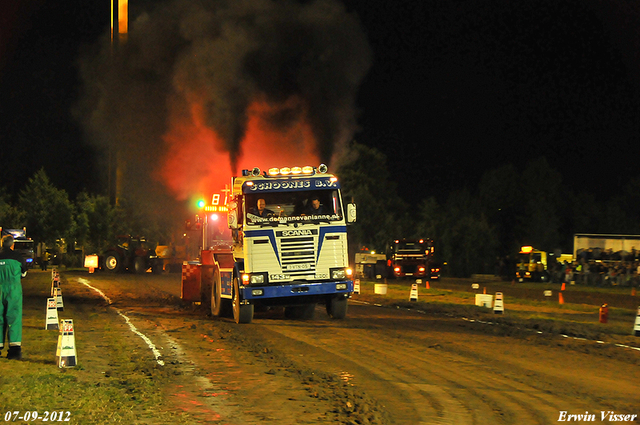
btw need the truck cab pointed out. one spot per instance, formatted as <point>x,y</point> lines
<point>531,265</point>
<point>411,258</point>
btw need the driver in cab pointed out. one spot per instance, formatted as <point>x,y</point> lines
<point>261,210</point>
<point>315,207</point>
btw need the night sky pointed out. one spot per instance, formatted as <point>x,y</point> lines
<point>454,88</point>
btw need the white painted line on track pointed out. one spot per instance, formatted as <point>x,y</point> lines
<point>85,282</point>
<point>146,339</point>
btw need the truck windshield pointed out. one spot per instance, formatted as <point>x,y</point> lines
<point>293,207</point>
<point>531,258</point>
<point>23,245</point>
<point>411,248</point>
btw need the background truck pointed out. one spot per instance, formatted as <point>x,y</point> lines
<point>131,253</point>
<point>410,258</point>
<point>288,255</point>
<point>22,244</point>
<point>536,265</point>
<point>370,265</point>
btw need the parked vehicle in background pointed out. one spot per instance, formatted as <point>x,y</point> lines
<point>22,244</point>
<point>410,258</point>
<point>131,253</point>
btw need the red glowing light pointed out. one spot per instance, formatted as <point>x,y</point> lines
<point>197,160</point>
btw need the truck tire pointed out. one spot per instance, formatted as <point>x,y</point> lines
<point>112,262</point>
<point>157,266</point>
<point>242,313</point>
<point>337,307</point>
<point>220,307</point>
<point>304,312</point>
<point>139,265</point>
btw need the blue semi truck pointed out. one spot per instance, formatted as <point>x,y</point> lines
<point>287,247</point>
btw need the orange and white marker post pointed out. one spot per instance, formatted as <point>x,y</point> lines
<point>413,295</point>
<point>55,284</point>
<point>636,327</point>
<point>51,321</point>
<point>498,304</point>
<point>58,296</point>
<point>356,286</point>
<point>66,350</point>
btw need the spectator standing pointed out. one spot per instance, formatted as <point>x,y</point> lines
<point>45,260</point>
<point>12,268</point>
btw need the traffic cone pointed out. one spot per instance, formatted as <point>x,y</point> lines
<point>636,327</point>
<point>603,316</point>
<point>427,285</point>
<point>413,295</point>
<point>563,286</point>
<point>484,290</point>
<point>51,313</point>
<point>356,286</point>
<point>560,298</point>
<point>498,304</point>
<point>66,349</point>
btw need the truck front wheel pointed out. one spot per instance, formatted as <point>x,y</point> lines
<point>242,313</point>
<point>337,307</point>
<point>219,305</point>
<point>139,265</point>
<point>112,262</point>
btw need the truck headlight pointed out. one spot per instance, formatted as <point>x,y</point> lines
<point>253,279</point>
<point>339,274</point>
<point>256,279</point>
<point>341,286</point>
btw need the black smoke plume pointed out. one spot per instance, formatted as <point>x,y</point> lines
<point>223,55</point>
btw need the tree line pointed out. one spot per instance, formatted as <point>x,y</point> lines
<point>488,220</point>
<point>89,221</point>
<point>472,228</point>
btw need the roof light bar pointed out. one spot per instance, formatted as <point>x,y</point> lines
<point>295,171</point>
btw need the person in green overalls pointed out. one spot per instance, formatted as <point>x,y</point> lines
<point>12,268</point>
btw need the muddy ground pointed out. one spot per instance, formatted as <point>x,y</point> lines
<point>389,362</point>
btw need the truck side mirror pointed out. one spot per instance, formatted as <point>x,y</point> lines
<point>351,213</point>
<point>232,219</point>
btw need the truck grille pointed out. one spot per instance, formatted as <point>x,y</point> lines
<point>409,268</point>
<point>298,256</point>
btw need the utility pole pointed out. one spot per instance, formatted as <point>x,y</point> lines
<point>117,163</point>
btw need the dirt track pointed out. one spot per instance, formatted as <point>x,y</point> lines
<point>381,365</point>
